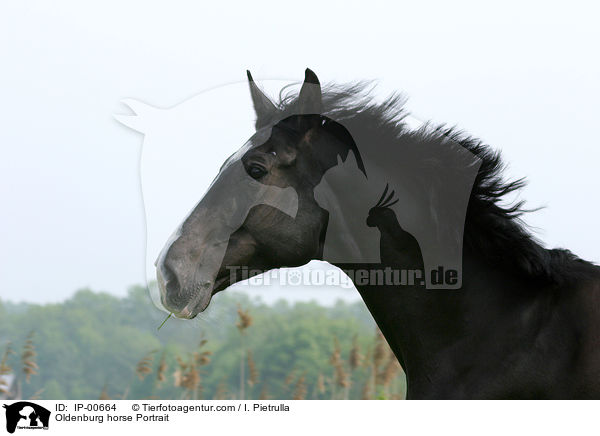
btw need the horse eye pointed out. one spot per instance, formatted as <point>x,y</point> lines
<point>256,172</point>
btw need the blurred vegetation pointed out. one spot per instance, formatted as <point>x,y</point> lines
<point>96,345</point>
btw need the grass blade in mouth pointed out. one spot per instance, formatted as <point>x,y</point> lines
<point>163,323</point>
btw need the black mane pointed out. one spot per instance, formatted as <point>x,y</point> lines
<point>493,230</point>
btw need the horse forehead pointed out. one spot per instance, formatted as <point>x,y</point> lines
<point>256,140</point>
<point>233,182</point>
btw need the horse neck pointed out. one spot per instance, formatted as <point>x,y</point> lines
<point>395,237</point>
<point>427,328</point>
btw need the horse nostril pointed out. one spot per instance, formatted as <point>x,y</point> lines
<point>167,273</point>
<point>173,296</point>
<point>172,286</point>
<point>172,293</point>
<point>166,276</point>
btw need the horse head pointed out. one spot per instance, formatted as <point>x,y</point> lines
<point>260,211</point>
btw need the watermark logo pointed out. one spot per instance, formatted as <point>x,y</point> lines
<point>25,415</point>
<point>344,278</point>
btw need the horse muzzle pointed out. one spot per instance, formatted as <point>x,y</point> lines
<point>183,293</point>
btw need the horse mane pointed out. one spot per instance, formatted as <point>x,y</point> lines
<point>494,231</point>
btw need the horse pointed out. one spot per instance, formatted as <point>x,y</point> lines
<point>494,314</point>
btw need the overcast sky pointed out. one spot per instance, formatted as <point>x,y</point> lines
<point>523,77</point>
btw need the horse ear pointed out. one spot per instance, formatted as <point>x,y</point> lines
<point>309,100</point>
<point>263,107</point>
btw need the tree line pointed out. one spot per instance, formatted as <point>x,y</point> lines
<point>96,345</point>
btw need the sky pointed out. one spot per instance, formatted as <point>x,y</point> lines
<point>521,76</point>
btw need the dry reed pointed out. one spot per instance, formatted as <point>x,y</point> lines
<point>5,368</point>
<point>161,369</point>
<point>144,366</point>
<point>104,394</point>
<point>252,369</point>
<point>30,367</point>
<point>300,390</point>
